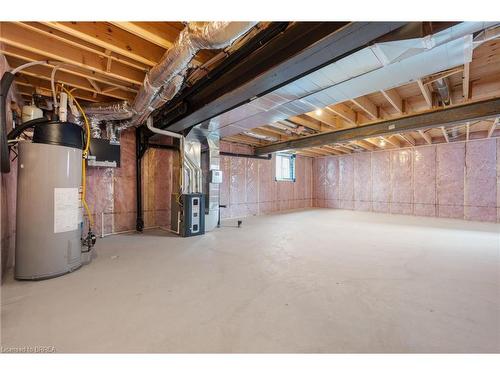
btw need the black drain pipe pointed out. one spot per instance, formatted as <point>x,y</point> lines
<point>5,84</point>
<point>139,153</point>
<point>267,157</point>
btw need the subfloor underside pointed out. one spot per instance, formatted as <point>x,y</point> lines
<point>316,280</point>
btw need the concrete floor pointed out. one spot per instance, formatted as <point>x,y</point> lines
<point>304,281</point>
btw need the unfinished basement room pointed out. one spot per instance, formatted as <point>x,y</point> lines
<point>250,186</point>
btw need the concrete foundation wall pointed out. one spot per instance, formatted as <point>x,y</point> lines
<point>456,180</point>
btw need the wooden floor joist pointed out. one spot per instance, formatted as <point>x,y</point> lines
<point>446,116</point>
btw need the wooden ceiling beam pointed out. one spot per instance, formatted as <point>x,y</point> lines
<point>111,38</point>
<point>44,72</point>
<point>325,117</point>
<point>71,82</point>
<point>426,93</point>
<point>276,130</point>
<point>367,106</point>
<point>392,140</point>
<point>241,138</point>
<point>493,127</point>
<point>155,37</point>
<point>374,142</point>
<point>19,37</point>
<point>365,145</point>
<point>426,136</point>
<point>332,150</point>
<point>320,151</point>
<point>344,112</point>
<point>445,134</point>
<point>306,153</point>
<point>407,138</point>
<point>344,148</point>
<point>394,99</point>
<point>451,115</point>
<point>306,121</point>
<point>35,86</point>
<point>48,32</point>
<point>441,75</point>
<point>267,133</point>
<point>22,56</point>
<point>160,34</point>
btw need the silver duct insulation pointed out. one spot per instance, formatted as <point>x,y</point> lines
<point>165,79</point>
<point>109,111</point>
<point>443,89</point>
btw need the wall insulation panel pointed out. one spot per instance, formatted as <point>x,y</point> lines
<point>457,180</point>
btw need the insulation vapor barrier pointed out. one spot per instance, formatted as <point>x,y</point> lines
<point>249,186</point>
<point>455,180</point>
<point>111,192</point>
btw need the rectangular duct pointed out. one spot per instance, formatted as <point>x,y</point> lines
<point>202,171</point>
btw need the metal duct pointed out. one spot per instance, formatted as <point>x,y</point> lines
<point>443,89</point>
<point>192,163</point>
<point>109,111</point>
<point>211,162</point>
<point>165,79</point>
<point>201,154</point>
<point>260,136</point>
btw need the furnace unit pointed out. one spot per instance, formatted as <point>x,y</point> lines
<point>188,214</point>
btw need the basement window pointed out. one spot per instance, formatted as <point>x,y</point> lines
<point>285,167</point>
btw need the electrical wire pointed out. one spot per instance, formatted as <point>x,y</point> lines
<point>85,153</point>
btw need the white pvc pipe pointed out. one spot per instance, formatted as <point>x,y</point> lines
<point>149,124</point>
<point>27,65</point>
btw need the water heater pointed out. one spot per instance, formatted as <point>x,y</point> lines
<point>49,209</point>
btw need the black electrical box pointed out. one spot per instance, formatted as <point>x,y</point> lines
<point>188,214</point>
<point>103,153</point>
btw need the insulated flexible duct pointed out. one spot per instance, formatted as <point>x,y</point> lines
<point>165,79</point>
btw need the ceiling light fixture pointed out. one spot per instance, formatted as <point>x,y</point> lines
<point>318,112</point>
